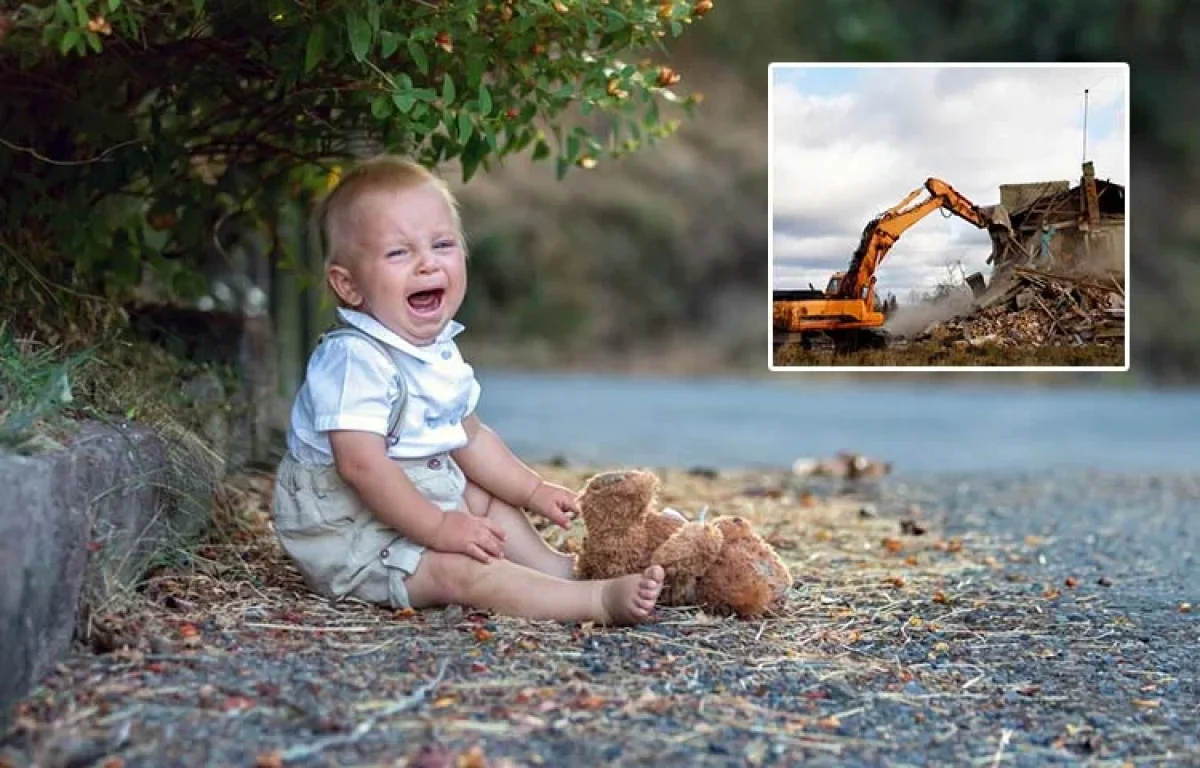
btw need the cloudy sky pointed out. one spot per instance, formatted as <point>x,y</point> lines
<point>850,142</point>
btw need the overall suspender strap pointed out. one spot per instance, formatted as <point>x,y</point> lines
<point>397,406</point>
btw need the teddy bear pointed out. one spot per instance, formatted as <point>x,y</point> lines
<point>721,565</point>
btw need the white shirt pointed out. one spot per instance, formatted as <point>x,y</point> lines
<point>349,385</point>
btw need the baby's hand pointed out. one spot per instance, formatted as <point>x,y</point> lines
<point>554,502</point>
<point>467,534</point>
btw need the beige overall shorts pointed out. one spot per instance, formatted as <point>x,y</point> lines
<point>340,548</point>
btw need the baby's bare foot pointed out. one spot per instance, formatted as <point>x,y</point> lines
<point>631,599</point>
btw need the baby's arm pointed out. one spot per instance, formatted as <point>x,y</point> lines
<point>385,489</point>
<point>350,381</point>
<point>489,463</point>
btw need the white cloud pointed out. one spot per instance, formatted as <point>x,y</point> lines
<point>841,158</point>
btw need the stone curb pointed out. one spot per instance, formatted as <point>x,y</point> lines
<point>80,525</point>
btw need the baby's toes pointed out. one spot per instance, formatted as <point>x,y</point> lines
<point>655,573</point>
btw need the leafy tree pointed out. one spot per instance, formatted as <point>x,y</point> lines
<point>127,127</point>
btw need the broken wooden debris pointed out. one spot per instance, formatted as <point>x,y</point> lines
<point>1039,308</point>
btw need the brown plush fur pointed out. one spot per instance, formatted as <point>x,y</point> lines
<point>722,566</point>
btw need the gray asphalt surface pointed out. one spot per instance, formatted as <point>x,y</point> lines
<point>1143,532</point>
<point>1104,673</point>
<point>1121,657</point>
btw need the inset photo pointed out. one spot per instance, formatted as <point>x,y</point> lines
<point>949,216</point>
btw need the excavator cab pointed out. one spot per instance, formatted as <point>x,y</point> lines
<point>835,282</point>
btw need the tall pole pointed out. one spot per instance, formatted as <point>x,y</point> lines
<point>1085,111</point>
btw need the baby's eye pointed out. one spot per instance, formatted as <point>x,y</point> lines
<point>399,253</point>
<point>445,244</point>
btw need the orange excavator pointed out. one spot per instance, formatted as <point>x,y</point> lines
<point>848,313</point>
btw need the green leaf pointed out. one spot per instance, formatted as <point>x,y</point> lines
<point>381,107</point>
<point>541,150</point>
<point>314,51</point>
<point>448,92</point>
<point>572,148</point>
<point>473,154</point>
<point>616,22</point>
<point>69,40</point>
<point>359,32</point>
<point>418,56</point>
<point>475,68</point>
<point>373,14</point>
<point>485,101</point>
<point>560,170</point>
<point>524,138</point>
<point>113,5</point>
<point>465,128</point>
<point>389,43</point>
<point>94,41</point>
<point>404,100</point>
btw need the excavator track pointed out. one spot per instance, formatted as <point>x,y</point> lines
<point>836,341</point>
<point>856,339</point>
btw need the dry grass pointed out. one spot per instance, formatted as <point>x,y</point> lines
<point>938,354</point>
<point>893,632</point>
<point>837,552</point>
<point>862,582</point>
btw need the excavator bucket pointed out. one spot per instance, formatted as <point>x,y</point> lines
<point>997,216</point>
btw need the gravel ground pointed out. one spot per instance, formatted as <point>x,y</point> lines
<point>1008,621</point>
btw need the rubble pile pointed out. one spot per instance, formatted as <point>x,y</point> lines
<point>1040,309</point>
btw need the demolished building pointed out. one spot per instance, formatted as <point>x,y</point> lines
<point>1062,228</point>
<point>1058,269</point>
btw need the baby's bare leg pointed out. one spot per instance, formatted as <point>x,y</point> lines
<point>510,589</point>
<point>524,545</point>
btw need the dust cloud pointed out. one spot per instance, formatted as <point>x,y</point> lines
<point>912,319</point>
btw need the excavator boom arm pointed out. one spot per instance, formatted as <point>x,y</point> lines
<point>882,232</point>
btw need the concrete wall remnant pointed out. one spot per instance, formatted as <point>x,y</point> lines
<point>78,525</point>
<point>1059,226</point>
<point>1016,197</point>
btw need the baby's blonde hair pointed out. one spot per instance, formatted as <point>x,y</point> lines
<point>377,173</point>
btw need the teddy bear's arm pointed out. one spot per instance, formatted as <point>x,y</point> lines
<point>689,549</point>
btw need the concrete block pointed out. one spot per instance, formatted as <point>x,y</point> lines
<point>80,524</point>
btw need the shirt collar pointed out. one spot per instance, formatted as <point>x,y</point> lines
<point>378,330</point>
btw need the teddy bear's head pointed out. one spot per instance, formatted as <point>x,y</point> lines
<point>749,578</point>
<point>612,502</point>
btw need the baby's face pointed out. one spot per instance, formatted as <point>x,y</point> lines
<point>405,261</point>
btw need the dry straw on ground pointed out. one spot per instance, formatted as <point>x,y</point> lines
<point>227,644</point>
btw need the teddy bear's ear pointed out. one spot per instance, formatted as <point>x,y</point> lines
<point>734,527</point>
<point>606,480</point>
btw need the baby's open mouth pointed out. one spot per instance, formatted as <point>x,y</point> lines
<point>426,302</point>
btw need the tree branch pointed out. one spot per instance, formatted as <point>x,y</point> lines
<point>100,158</point>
